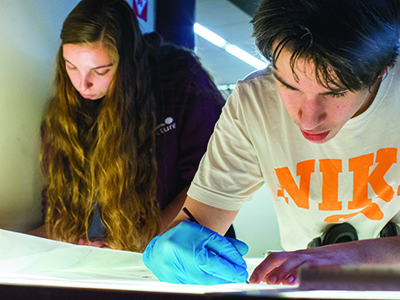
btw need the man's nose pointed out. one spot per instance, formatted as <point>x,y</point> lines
<point>312,113</point>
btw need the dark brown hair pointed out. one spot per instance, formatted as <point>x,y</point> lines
<point>350,42</point>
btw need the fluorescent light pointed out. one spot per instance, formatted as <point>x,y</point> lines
<point>223,87</point>
<point>232,49</point>
<point>246,57</point>
<point>227,87</point>
<point>209,35</point>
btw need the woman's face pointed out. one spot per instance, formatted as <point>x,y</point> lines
<point>89,68</point>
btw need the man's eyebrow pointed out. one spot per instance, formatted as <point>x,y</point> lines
<point>329,92</point>
<point>99,67</point>
<point>283,82</point>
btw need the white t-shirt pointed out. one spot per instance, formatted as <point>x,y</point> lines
<point>352,178</point>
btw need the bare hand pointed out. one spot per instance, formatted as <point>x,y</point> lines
<point>281,267</point>
<point>97,242</point>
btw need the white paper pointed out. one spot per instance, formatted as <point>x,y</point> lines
<point>29,260</point>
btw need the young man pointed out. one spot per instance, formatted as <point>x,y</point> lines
<point>321,128</point>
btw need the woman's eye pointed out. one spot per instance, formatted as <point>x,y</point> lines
<point>102,73</point>
<point>69,67</point>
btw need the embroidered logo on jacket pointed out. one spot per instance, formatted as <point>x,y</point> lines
<point>168,125</point>
<point>368,171</point>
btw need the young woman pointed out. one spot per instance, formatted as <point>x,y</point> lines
<point>124,131</point>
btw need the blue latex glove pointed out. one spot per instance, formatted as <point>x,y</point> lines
<point>193,254</point>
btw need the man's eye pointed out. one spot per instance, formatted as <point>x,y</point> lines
<point>287,87</point>
<point>339,95</point>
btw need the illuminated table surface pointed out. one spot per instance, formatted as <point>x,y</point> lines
<point>34,268</point>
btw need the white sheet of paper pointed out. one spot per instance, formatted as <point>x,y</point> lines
<point>29,260</point>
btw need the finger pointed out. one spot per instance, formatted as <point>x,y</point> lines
<point>97,244</point>
<point>82,242</point>
<point>221,268</point>
<point>291,279</point>
<point>224,248</point>
<point>285,269</point>
<point>239,245</point>
<point>267,265</point>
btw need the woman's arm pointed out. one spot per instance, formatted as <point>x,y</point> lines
<point>40,232</point>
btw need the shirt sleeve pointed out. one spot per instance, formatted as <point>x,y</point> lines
<point>229,172</point>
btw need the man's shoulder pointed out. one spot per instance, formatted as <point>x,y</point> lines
<point>257,91</point>
<point>257,77</point>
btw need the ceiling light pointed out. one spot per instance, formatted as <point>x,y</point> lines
<point>246,57</point>
<point>232,49</point>
<point>209,35</point>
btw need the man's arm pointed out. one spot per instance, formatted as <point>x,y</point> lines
<point>281,267</point>
<point>215,219</point>
<point>172,210</point>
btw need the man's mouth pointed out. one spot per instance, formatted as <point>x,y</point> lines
<point>315,136</point>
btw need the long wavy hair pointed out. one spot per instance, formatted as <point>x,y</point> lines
<point>103,159</point>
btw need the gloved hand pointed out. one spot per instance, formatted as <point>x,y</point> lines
<point>193,254</point>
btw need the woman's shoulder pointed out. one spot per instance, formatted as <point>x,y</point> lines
<point>170,58</point>
<point>177,58</point>
<point>179,68</point>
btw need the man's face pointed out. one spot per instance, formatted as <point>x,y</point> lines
<point>320,113</point>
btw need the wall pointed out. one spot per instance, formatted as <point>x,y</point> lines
<point>29,33</point>
<point>257,226</point>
